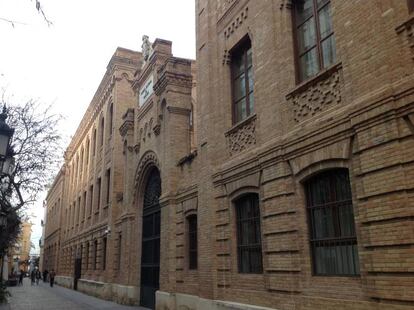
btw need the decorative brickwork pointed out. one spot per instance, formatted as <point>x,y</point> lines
<point>242,136</point>
<point>236,23</point>
<point>316,96</point>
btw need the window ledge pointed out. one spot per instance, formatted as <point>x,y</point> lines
<point>322,75</point>
<point>240,124</point>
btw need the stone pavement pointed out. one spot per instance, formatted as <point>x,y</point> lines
<point>44,297</point>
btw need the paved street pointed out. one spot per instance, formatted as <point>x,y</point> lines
<point>44,297</point>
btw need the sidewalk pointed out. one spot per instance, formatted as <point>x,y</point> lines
<point>44,297</point>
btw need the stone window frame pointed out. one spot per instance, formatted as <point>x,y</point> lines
<point>318,39</point>
<point>241,48</point>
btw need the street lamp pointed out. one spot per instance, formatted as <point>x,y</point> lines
<point>6,155</point>
<point>5,135</point>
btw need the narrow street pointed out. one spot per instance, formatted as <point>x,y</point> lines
<point>44,297</point>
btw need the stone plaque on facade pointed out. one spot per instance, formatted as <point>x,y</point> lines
<point>146,90</point>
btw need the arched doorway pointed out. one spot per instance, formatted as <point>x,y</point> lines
<point>150,257</point>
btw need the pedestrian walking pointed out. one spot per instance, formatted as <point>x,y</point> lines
<point>21,275</point>
<point>32,276</point>
<point>38,276</point>
<point>45,273</point>
<point>52,275</point>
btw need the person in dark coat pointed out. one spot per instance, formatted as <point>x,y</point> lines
<point>52,275</point>
<point>38,276</point>
<point>32,276</point>
<point>21,275</point>
<point>45,273</point>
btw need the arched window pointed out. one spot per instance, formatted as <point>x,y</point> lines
<point>331,224</point>
<point>315,40</point>
<point>242,80</point>
<point>249,244</point>
<point>192,241</point>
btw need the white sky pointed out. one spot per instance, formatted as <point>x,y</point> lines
<point>63,64</point>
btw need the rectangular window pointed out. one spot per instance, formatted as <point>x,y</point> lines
<point>331,224</point>
<point>99,185</point>
<point>102,132</point>
<point>119,250</point>
<point>315,40</point>
<point>87,256</point>
<point>84,205</point>
<point>94,143</point>
<point>78,213</point>
<point>249,243</point>
<point>192,241</point>
<point>242,81</point>
<point>87,152</point>
<point>108,186</point>
<point>110,123</point>
<point>104,253</point>
<point>95,254</point>
<point>90,199</point>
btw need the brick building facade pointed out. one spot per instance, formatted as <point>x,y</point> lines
<point>285,181</point>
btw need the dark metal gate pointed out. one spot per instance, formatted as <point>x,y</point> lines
<point>78,272</point>
<point>150,258</point>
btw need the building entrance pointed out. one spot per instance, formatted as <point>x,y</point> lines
<point>150,258</point>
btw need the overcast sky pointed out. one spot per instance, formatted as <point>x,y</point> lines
<point>64,63</point>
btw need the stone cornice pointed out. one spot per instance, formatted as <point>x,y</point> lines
<point>118,68</point>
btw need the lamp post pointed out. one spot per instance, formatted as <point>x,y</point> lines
<point>6,156</point>
<point>6,132</point>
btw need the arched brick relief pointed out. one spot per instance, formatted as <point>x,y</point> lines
<point>246,184</point>
<point>317,167</point>
<point>147,160</point>
<point>240,192</point>
<point>338,151</point>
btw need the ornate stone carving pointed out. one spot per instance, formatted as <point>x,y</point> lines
<point>157,129</point>
<point>236,23</point>
<point>148,159</point>
<point>242,136</point>
<point>316,97</point>
<point>146,47</point>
